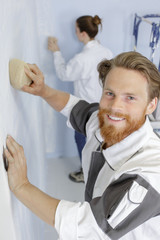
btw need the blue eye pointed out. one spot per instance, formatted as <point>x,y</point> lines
<point>109,94</point>
<point>130,98</point>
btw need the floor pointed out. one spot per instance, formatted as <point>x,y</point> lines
<point>60,186</point>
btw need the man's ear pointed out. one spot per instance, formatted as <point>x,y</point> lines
<point>152,106</point>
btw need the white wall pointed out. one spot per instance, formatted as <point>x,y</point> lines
<point>21,114</point>
<point>25,26</point>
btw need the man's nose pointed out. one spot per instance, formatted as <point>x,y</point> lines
<point>117,104</point>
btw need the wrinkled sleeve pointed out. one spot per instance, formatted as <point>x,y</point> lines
<point>75,221</point>
<point>70,71</point>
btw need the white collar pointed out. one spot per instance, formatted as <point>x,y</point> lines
<point>119,153</point>
<point>91,43</point>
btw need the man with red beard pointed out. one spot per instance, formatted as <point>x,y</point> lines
<point>121,159</point>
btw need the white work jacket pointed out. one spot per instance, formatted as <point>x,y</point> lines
<point>123,194</point>
<point>82,70</point>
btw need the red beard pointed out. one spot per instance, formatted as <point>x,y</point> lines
<point>110,133</point>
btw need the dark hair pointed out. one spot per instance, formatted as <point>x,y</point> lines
<point>134,61</point>
<point>89,24</point>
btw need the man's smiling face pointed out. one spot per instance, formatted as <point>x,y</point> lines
<point>124,104</point>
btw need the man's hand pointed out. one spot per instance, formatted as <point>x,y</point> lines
<point>52,44</point>
<point>37,87</point>
<point>37,201</point>
<point>17,170</point>
<point>57,99</point>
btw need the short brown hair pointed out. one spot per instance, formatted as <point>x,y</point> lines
<point>133,61</point>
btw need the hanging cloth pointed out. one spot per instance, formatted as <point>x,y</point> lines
<point>155,32</point>
<point>155,35</point>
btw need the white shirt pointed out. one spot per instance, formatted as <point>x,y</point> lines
<point>138,154</point>
<point>82,70</point>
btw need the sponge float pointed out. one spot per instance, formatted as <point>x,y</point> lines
<point>17,75</point>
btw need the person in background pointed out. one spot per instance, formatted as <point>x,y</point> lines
<point>82,70</point>
<point>121,158</point>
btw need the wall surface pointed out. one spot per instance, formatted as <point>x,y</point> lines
<point>21,116</point>
<point>25,27</point>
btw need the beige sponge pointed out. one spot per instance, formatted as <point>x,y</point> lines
<point>18,78</point>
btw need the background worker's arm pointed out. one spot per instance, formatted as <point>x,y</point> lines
<point>57,99</point>
<point>37,201</point>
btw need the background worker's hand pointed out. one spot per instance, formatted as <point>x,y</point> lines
<point>37,87</point>
<point>17,169</point>
<point>52,44</point>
